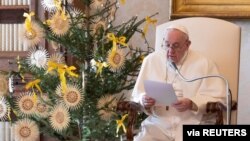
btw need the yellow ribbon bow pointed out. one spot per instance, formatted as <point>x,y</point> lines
<point>99,66</point>
<point>63,15</point>
<point>62,69</point>
<point>9,117</point>
<point>54,65</point>
<point>60,14</point>
<point>15,112</point>
<point>142,58</point>
<point>148,21</point>
<point>27,21</point>
<point>19,66</point>
<point>58,4</point>
<point>121,124</point>
<point>48,22</point>
<point>121,40</point>
<point>33,84</point>
<point>61,11</point>
<point>123,1</point>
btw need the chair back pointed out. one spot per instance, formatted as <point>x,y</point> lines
<point>215,38</point>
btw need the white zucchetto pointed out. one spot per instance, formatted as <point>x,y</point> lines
<point>178,27</point>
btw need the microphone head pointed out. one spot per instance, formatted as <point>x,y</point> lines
<point>173,65</point>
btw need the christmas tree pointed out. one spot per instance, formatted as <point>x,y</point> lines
<point>75,101</point>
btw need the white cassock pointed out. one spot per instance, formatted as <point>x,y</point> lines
<point>167,125</point>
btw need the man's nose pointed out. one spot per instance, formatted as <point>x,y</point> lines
<point>171,50</point>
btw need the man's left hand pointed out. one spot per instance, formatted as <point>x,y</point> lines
<point>183,104</point>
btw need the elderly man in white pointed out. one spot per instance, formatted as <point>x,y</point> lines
<point>165,124</point>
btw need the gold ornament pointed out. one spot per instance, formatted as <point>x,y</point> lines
<point>26,104</point>
<point>100,25</point>
<point>26,130</point>
<point>106,105</point>
<point>33,36</point>
<point>59,24</point>
<point>72,97</point>
<point>3,85</point>
<point>58,58</point>
<point>42,108</point>
<point>116,60</point>
<point>59,118</point>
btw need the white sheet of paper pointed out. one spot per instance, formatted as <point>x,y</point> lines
<point>163,93</point>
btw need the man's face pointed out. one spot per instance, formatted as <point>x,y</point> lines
<point>176,44</point>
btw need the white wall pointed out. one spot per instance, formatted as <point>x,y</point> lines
<point>143,8</point>
<point>244,80</point>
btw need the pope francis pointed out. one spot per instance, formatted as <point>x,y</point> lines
<point>164,123</point>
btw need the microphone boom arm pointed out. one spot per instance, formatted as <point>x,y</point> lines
<point>228,96</point>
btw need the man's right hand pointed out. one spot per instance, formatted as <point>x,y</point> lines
<point>147,102</point>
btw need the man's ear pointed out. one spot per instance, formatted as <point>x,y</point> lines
<point>188,43</point>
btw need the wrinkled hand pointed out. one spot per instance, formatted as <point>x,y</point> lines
<point>147,102</point>
<point>183,104</point>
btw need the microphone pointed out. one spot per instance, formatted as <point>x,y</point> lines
<point>173,65</point>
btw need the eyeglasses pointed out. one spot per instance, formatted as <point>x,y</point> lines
<point>175,46</point>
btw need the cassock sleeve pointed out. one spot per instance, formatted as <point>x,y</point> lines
<point>211,89</point>
<point>153,68</point>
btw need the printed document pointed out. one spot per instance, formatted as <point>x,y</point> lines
<point>162,92</point>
